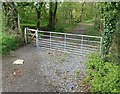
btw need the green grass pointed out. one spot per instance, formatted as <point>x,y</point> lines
<point>64,27</point>
<point>25,24</point>
<point>91,30</point>
<point>89,21</point>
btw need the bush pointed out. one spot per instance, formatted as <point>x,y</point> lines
<point>9,43</point>
<point>102,76</point>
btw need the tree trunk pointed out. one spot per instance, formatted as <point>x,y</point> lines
<point>15,15</point>
<point>11,14</point>
<point>38,10</point>
<point>38,19</point>
<point>118,33</point>
<point>71,16</point>
<point>52,15</point>
<point>82,11</point>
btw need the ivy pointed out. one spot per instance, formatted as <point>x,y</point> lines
<point>10,12</point>
<point>109,12</point>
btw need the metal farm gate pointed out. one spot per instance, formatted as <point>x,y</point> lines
<point>66,42</point>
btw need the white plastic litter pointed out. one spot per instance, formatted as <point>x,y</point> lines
<point>18,62</point>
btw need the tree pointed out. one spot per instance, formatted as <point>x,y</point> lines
<point>38,7</point>
<point>82,11</point>
<point>27,9</point>
<point>52,14</point>
<point>110,12</point>
<point>115,48</point>
<point>11,13</point>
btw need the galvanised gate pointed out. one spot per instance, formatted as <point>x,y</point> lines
<point>66,42</point>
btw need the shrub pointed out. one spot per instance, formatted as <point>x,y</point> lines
<point>9,43</point>
<point>102,76</point>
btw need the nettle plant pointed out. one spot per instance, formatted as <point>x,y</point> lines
<point>109,11</point>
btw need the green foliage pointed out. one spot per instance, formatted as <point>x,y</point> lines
<point>90,30</point>
<point>98,25</point>
<point>27,12</point>
<point>33,26</point>
<point>11,14</point>
<point>58,29</point>
<point>103,76</point>
<point>64,27</point>
<point>67,14</point>
<point>109,11</point>
<point>9,43</point>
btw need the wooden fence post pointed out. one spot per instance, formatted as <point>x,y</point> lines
<point>25,31</point>
<point>19,22</point>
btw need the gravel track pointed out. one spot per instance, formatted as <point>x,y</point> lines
<point>42,71</point>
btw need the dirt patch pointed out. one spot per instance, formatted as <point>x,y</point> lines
<point>42,71</point>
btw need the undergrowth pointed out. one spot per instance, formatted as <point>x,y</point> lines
<point>102,76</point>
<point>9,43</point>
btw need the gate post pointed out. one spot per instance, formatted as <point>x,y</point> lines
<point>25,31</point>
<point>64,42</point>
<point>81,43</point>
<point>100,45</point>
<point>50,40</point>
<point>36,32</point>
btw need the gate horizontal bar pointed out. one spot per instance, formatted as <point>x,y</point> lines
<point>65,33</point>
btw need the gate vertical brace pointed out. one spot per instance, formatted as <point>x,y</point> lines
<point>50,40</point>
<point>36,38</point>
<point>82,44</point>
<point>64,42</point>
<point>100,45</point>
<point>25,31</point>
